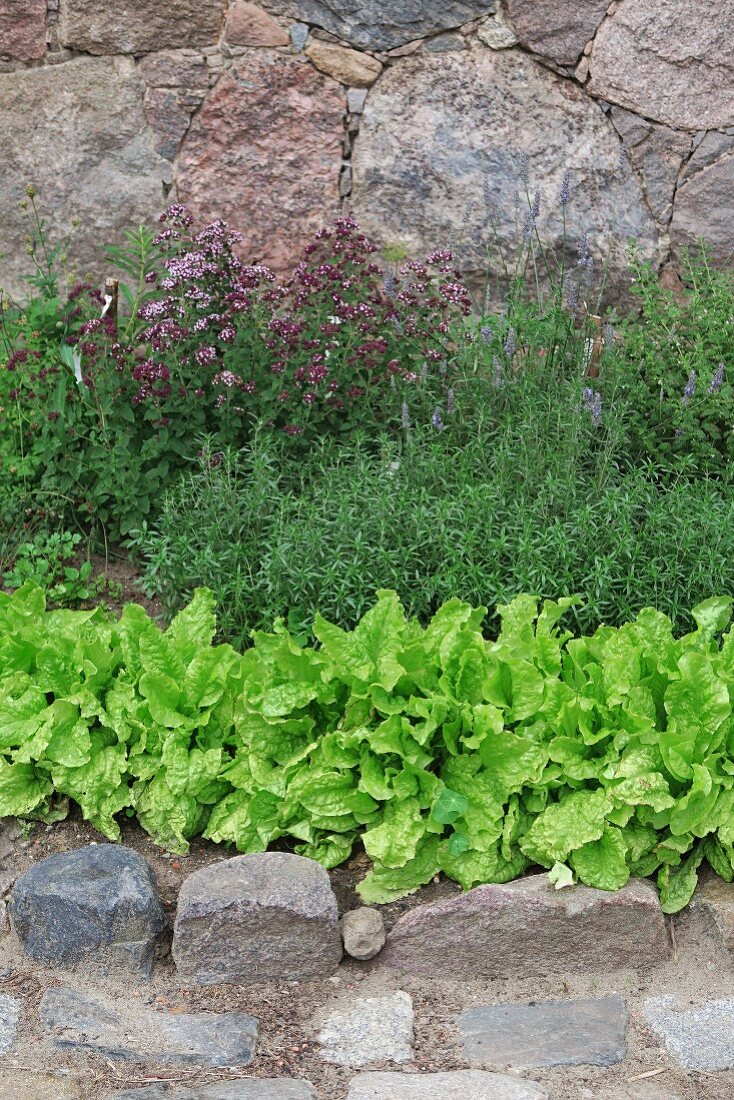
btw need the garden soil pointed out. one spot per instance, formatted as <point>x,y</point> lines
<point>290,1014</point>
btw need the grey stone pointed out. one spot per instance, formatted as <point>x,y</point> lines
<point>658,154</point>
<point>672,62</point>
<point>704,207</point>
<point>526,928</point>
<point>139,1034</point>
<point>443,42</point>
<point>256,918</point>
<point>556,31</point>
<point>88,155</point>
<point>299,36</point>
<point>9,1015</point>
<point>355,100</point>
<point>363,932</point>
<point>255,1088</point>
<point>496,35</point>
<point>700,1038</point>
<point>710,914</point>
<point>382,24</point>
<point>546,1033</point>
<point>373,1029</point>
<point>98,903</point>
<point>473,115</point>
<point>712,146</point>
<point>459,1085</point>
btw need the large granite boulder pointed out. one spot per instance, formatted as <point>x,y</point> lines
<point>88,154</point>
<point>437,129</point>
<point>526,928</point>
<point>671,62</point>
<point>264,153</point>
<point>257,918</point>
<point>98,904</point>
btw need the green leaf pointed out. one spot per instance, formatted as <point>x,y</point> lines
<point>565,826</point>
<point>677,884</point>
<point>385,884</point>
<point>560,875</point>
<point>602,863</point>
<point>448,806</point>
<point>712,616</point>
<point>394,842</point>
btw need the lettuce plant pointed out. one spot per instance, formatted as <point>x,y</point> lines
<point>595,757</point>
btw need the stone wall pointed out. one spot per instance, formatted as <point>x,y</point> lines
<point>409,112</point>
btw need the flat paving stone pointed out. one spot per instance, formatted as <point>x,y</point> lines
<point>22,1085</point>
<point>135,1033</point>
<point>263,1088</point>
<point>374,1029</point>
<point>465,1084</point>
<point>9,1013</point>
<point>546,1033</point>
<point>699,1038</point>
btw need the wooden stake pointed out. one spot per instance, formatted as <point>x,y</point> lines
<point>112,291</point>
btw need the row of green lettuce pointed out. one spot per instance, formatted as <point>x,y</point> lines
<point>596,757</point>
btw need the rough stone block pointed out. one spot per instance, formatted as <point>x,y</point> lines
<point>248,25</point>
<point>20,1085</point>
<point>9,1016</point>
<point>358,70</point>
<point>384,24</point>
<point>526,928</point>
<point>23,29</point>
<point>264,152</point>
<point>429,159</point>
<point>546,1033</point>
<point>139,26</point>
<point>556,31</point>
<point>96,904</point>
<point>710,914</point>
<point>137,1034</point>
<point>88,154</point>
<point>256,918</point>
<point>668,61</point>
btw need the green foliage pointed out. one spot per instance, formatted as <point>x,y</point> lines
<point>51,562</point>
<point>536,503</point>
<point>596,757</point>
<point>674,363</point>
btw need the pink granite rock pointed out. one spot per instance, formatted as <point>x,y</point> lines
<point>264,153</point>
<point>672,62</point>
<point>556,31</point>
<point>23,29</point>
<point>249,25</point>
<point>527,928</point>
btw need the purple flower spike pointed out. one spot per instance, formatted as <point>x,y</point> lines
<point>437,421</point>
<point>717,380</point>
